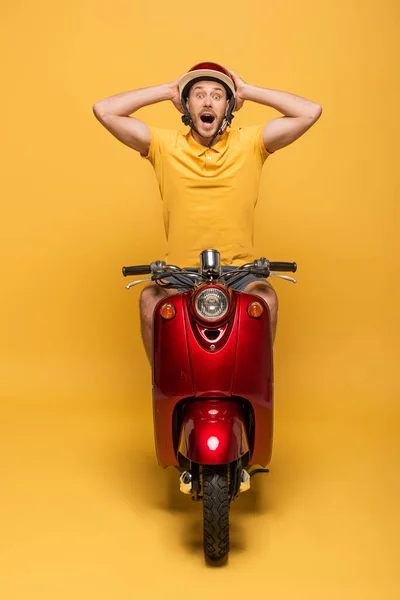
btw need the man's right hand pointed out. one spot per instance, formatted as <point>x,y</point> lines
<point>175,99</point>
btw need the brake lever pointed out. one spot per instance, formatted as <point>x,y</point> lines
<point>127,287</point>
<point>283,277</point>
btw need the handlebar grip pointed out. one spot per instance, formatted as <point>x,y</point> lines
<point>283,266</point>
<point>138,270</point>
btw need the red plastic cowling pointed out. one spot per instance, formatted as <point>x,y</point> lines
<point>186,368</point>
<point>213,432</point>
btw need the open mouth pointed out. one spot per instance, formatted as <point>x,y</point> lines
<point>207,118</point>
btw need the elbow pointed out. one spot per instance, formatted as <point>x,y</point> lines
<point>317,112</point>
<point>98,111</point>
<point>314,111</point>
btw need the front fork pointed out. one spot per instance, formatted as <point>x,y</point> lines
<point>191,481</point>
<point>213,433</point>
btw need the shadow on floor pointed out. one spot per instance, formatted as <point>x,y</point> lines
<point>142,481</point>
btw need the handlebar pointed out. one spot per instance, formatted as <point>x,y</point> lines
<point>290,267</point>
<point>189,277</point>
<point>138,270</point>
<point>283,266</point>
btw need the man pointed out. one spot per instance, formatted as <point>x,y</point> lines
<point>209,177</point>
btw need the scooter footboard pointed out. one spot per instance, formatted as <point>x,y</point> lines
<point>213,432</point>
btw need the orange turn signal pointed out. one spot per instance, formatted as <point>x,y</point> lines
<point>255,310</point>
<point>168,311</point>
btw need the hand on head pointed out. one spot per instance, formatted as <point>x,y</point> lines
<point>175,95</point>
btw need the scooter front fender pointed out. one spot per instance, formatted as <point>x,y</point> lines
<point>213,432</point>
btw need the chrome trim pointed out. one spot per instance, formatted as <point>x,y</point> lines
<point>210,261</point>
<point>136,282</point>
<point>185,483</point>
<point>283,277</point>
<point>216,290</point>
<point>244,481</point>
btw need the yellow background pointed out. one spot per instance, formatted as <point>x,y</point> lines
<point>86,511</point>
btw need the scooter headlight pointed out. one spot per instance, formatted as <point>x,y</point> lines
<point>211,304</point>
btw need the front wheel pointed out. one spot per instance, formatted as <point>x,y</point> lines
<point>216,512</point>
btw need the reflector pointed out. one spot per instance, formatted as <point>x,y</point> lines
<point>168,311</point>
<point>255,310</point>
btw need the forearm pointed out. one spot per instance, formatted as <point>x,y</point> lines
<point>288,104</point>
<point>126,103</point>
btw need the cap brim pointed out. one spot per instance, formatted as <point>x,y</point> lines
<point>188,77</point>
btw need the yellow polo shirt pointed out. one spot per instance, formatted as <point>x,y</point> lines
<point>208,195</point>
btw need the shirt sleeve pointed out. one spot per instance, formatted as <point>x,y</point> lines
<point>161,141</point>
<point>253,136</point>
<point>259,144</point>
<point>154,152</point>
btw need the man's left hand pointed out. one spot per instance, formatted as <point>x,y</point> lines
<point>240,89</point>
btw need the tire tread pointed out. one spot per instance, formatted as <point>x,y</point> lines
<point>216,512</point>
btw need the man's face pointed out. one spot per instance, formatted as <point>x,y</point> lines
<point>207,104</point>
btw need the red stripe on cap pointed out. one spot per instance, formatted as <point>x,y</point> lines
<point>209,66</point>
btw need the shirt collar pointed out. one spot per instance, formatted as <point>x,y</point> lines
<point>198,149</point>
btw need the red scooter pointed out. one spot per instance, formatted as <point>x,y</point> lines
<point>212,383</point>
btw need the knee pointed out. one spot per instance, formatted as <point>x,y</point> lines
<point>148,299</point>
<point>272,301</point>
<point>144,299</point>
<point>269,296</point>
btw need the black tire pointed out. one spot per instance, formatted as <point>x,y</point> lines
<point>216,513</point>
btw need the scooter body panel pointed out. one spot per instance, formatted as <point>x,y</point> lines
<point>213,432</point>
<point>253,376</point>
<point>187,367</point>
